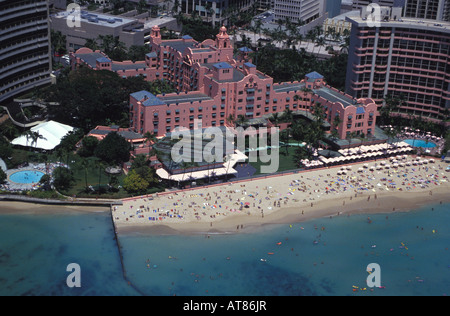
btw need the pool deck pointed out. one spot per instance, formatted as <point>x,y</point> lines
<point>436,150</point>
<point>17,187</point>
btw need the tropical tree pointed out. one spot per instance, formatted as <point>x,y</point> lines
<point>58,42</point>
<point>92,44</point>
<point>133,182</point>
<point>319,42</point>
<point>113,149</point>
<point>63,178</point>
<point>149,137</point>
<point>3,176</point>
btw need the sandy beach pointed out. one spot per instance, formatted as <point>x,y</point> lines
<point>369,187</point>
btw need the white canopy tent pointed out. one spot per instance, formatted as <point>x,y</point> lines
<point>50,132</point>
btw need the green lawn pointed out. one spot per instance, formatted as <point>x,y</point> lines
<point>93,174</point>
<point>95,177</point>
<point>286,162</point>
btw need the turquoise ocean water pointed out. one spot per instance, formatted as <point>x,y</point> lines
<point>318,257</point>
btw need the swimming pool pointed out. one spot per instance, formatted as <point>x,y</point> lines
<point>420,143</point>
<point>26,176</point>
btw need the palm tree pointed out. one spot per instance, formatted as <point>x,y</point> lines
<point>101,169</point>
<point>85,164</point>
<point>35,136</point>
<point>285,134</point>
<point>287,115</point>
<point>149,137</point>
<point>92,44</point>
<point>29,135</point>
<point>320,41</point>
<point>336,122</point>
<point>231,120</point>
<point>275,118</point>
<point>241,120</point>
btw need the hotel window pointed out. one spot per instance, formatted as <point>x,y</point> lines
<point>168,112</point>
<point>177,119</point>
<point>191,117</point>
<point>191,110</point>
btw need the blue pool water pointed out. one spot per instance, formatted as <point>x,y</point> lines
<point>319,257</point>
<point>420,143</point>
<point>26,176</point>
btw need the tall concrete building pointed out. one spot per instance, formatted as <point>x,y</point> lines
<point>406,57</point>
<point>358,4</point>
<point>214,11</point>
<point>299,10</point>
<point>428,9</point>
<point>25,58</point>
<point>129,30</point>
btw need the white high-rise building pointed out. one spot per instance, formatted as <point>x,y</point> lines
<point>299,10</point>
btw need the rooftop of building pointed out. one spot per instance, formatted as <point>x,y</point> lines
<point>147,98</point>
<point>421,24</point>
<point>137,65</point>
<point>334,96</point>
<point>289,86</point>
<point>165,145</point>
<point>179,45</point>
<point>238,74</point>
<point>91,58</point>
<point>97,18</point>
<point>105,130</point>
<point>183,97</point>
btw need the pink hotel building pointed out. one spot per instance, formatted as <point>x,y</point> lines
<point>213,84</point>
